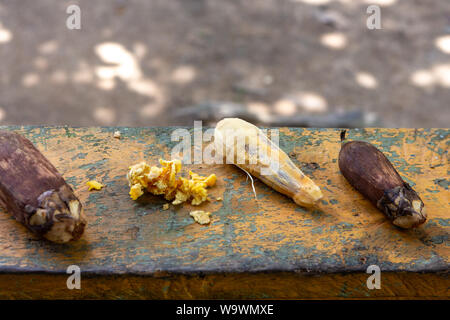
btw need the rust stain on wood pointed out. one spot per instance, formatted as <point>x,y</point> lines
<point>270,237</point>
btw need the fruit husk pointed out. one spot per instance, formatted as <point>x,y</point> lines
<point>34,192</point>
<point>369,171</point>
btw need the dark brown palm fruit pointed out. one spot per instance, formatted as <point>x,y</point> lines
<point>33,191</point>
<point>369,171</point>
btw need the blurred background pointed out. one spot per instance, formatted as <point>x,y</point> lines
<point>273,62</point>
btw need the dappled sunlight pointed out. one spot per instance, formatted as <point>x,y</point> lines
<point>106,84</point>
<point>260,109</point>
<point>311,102</point>
<point>155,63</point>
<point>40,63</point>
<point>313,2</point>
<point>267,79</point>
<point>115,53</point>
<point>422,78</point>
<point>443,43</point>
<point>334,40</point>
<point>296,61</point>
<point>106,32</point>
<point>58,77</point>
<point>442,74</point>
<point>285,107</point>
<point>104,116</point>
<point>381,2</point>
<point>183,74</point>
<point>5,34</point>
<point>30,80</point>
<point>302,101</point>
<point>48,47</point>
<point>437,75</point>
<point>106,73</point>
<point>144,87</point>
<point>84,74</point>
<point>140,50</point>
<point>151,110</point>
<point>366,80</point>
<point>126,67</point>
<point>256,82</point>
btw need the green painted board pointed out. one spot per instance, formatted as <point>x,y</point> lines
<point>254,248</point>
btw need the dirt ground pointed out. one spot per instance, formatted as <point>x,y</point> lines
<point>135,63</point>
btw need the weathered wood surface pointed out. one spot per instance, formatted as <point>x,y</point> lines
<point>269,248</point>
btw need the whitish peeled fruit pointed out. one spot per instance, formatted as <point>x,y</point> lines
<point>255,153</point>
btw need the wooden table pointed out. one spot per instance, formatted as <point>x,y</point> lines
<point>264,248</point>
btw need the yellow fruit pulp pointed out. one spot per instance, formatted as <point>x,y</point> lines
<point>164,181</point>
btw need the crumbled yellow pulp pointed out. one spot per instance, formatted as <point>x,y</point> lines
<point>201,217</point>
<point>164,181</point>
<point>94,185</point>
